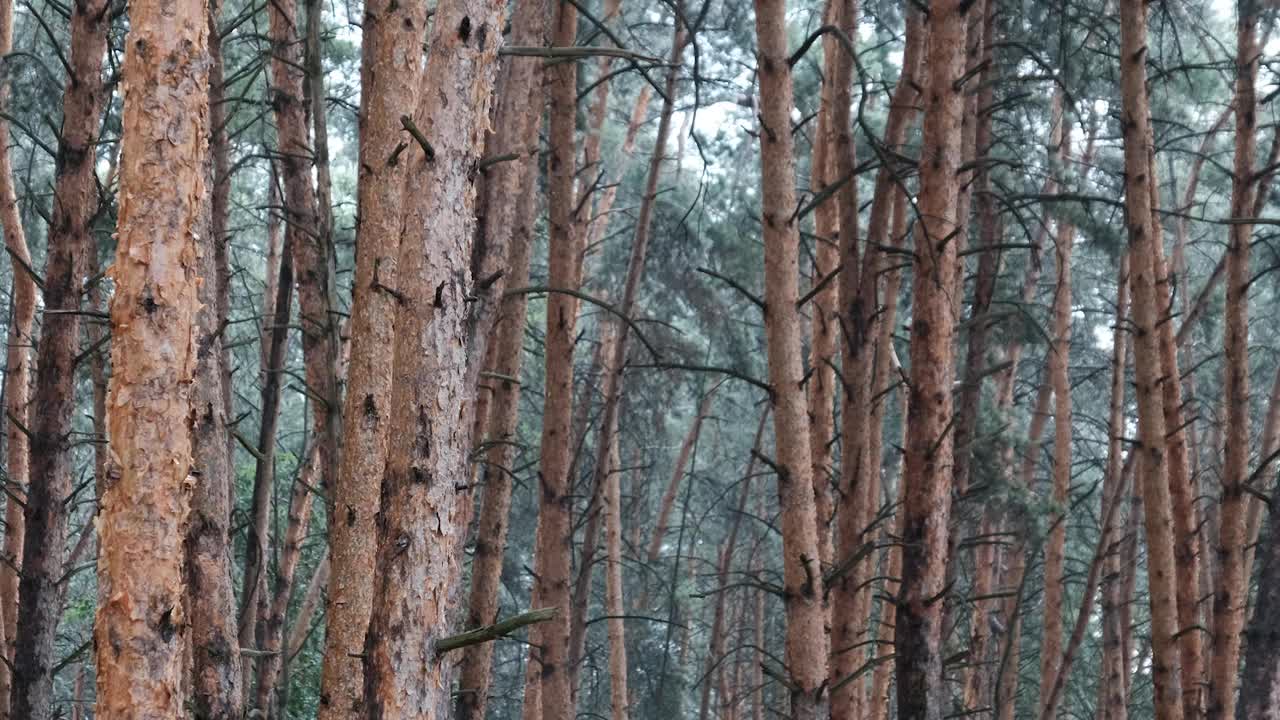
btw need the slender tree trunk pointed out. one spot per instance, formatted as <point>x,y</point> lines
<point>1111,699</point>
<point>216,671</point>
<point>17,383</point>
<point>512,206</point>
<point>614,354</point>
<point>40,595</point>
<point>806,641</point>
<point>824,305</point>
<point>673,486</point>
<point>715,647</point>
<point>286,567</point>
<point>1059,379</point>
<point>305,229</point>
<point>428,440</point>
<point>139,634</point>
<point>554,542</point>
<point>390,76</point>
<point>614,606</point>
<point>1143,275</point>
<point>927,475</point>
<point>1232,590</point>
<point>1260,679</point>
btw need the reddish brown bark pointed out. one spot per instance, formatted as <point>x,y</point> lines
<point>390,72</point>
<point>1144,273</point>
<point>290,552</point>
<point>554,545</point>
<point>806,641</point>
<point>927,472</point>
<point>512,204</point>
<point>216,670</point>
<point>40,595</point>
<point>419,530</point>
<point>1232,589</point>
<point>1111,696</point>
<point>139,633</point>
<point>17,380</point>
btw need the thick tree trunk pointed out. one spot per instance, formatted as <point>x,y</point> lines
<point>216,692</point>
<point>927,472</point>
<point>1232,589</point>
<point>40,595</point>
<point>418,565</point>
<point>806,641</point>
<point>390,76</point>
<point>17,380</point>
<point>140,629</point>
<point>1143,276</point>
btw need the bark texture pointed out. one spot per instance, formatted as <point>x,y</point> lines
<point>140,634</point>
<point>1143,274</point>
<point>1232,588</point>
<point>390,72</point>
<point>806,640</point>
<point>928,461</point>
<point>418,565</point>
<point>40,595</point>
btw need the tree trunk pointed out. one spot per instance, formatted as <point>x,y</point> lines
<point>824,310</point>
<point>926,478</point>
<point>554,544</point>
<point>390,76</point>
<point>715,647</point>
<point>614,606</point>
<point>287,564</point>
<point>1143,275</point>
<point>418,565</point>
<point>17,382</point>
<point>140,633</point>
<point>1059,379</point>
<point>1232,590</point>
<point>216,692</point>
<point>40,595</point>
<point>304,234</point>
<point>1112,702</point>
<point>511,207</point>
<point>806,641</point>
<point>673,487</point>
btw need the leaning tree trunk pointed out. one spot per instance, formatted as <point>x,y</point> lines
<point>40,593</point>
<point>428,440</point>
<point>216,691</point>
<point>390,70</point>
<point>1143,275</point>
<point>140,630</point>
<point>17,390</point>
<point>806,642</point>
<point>926,474</point>
<point>1233,588</point>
